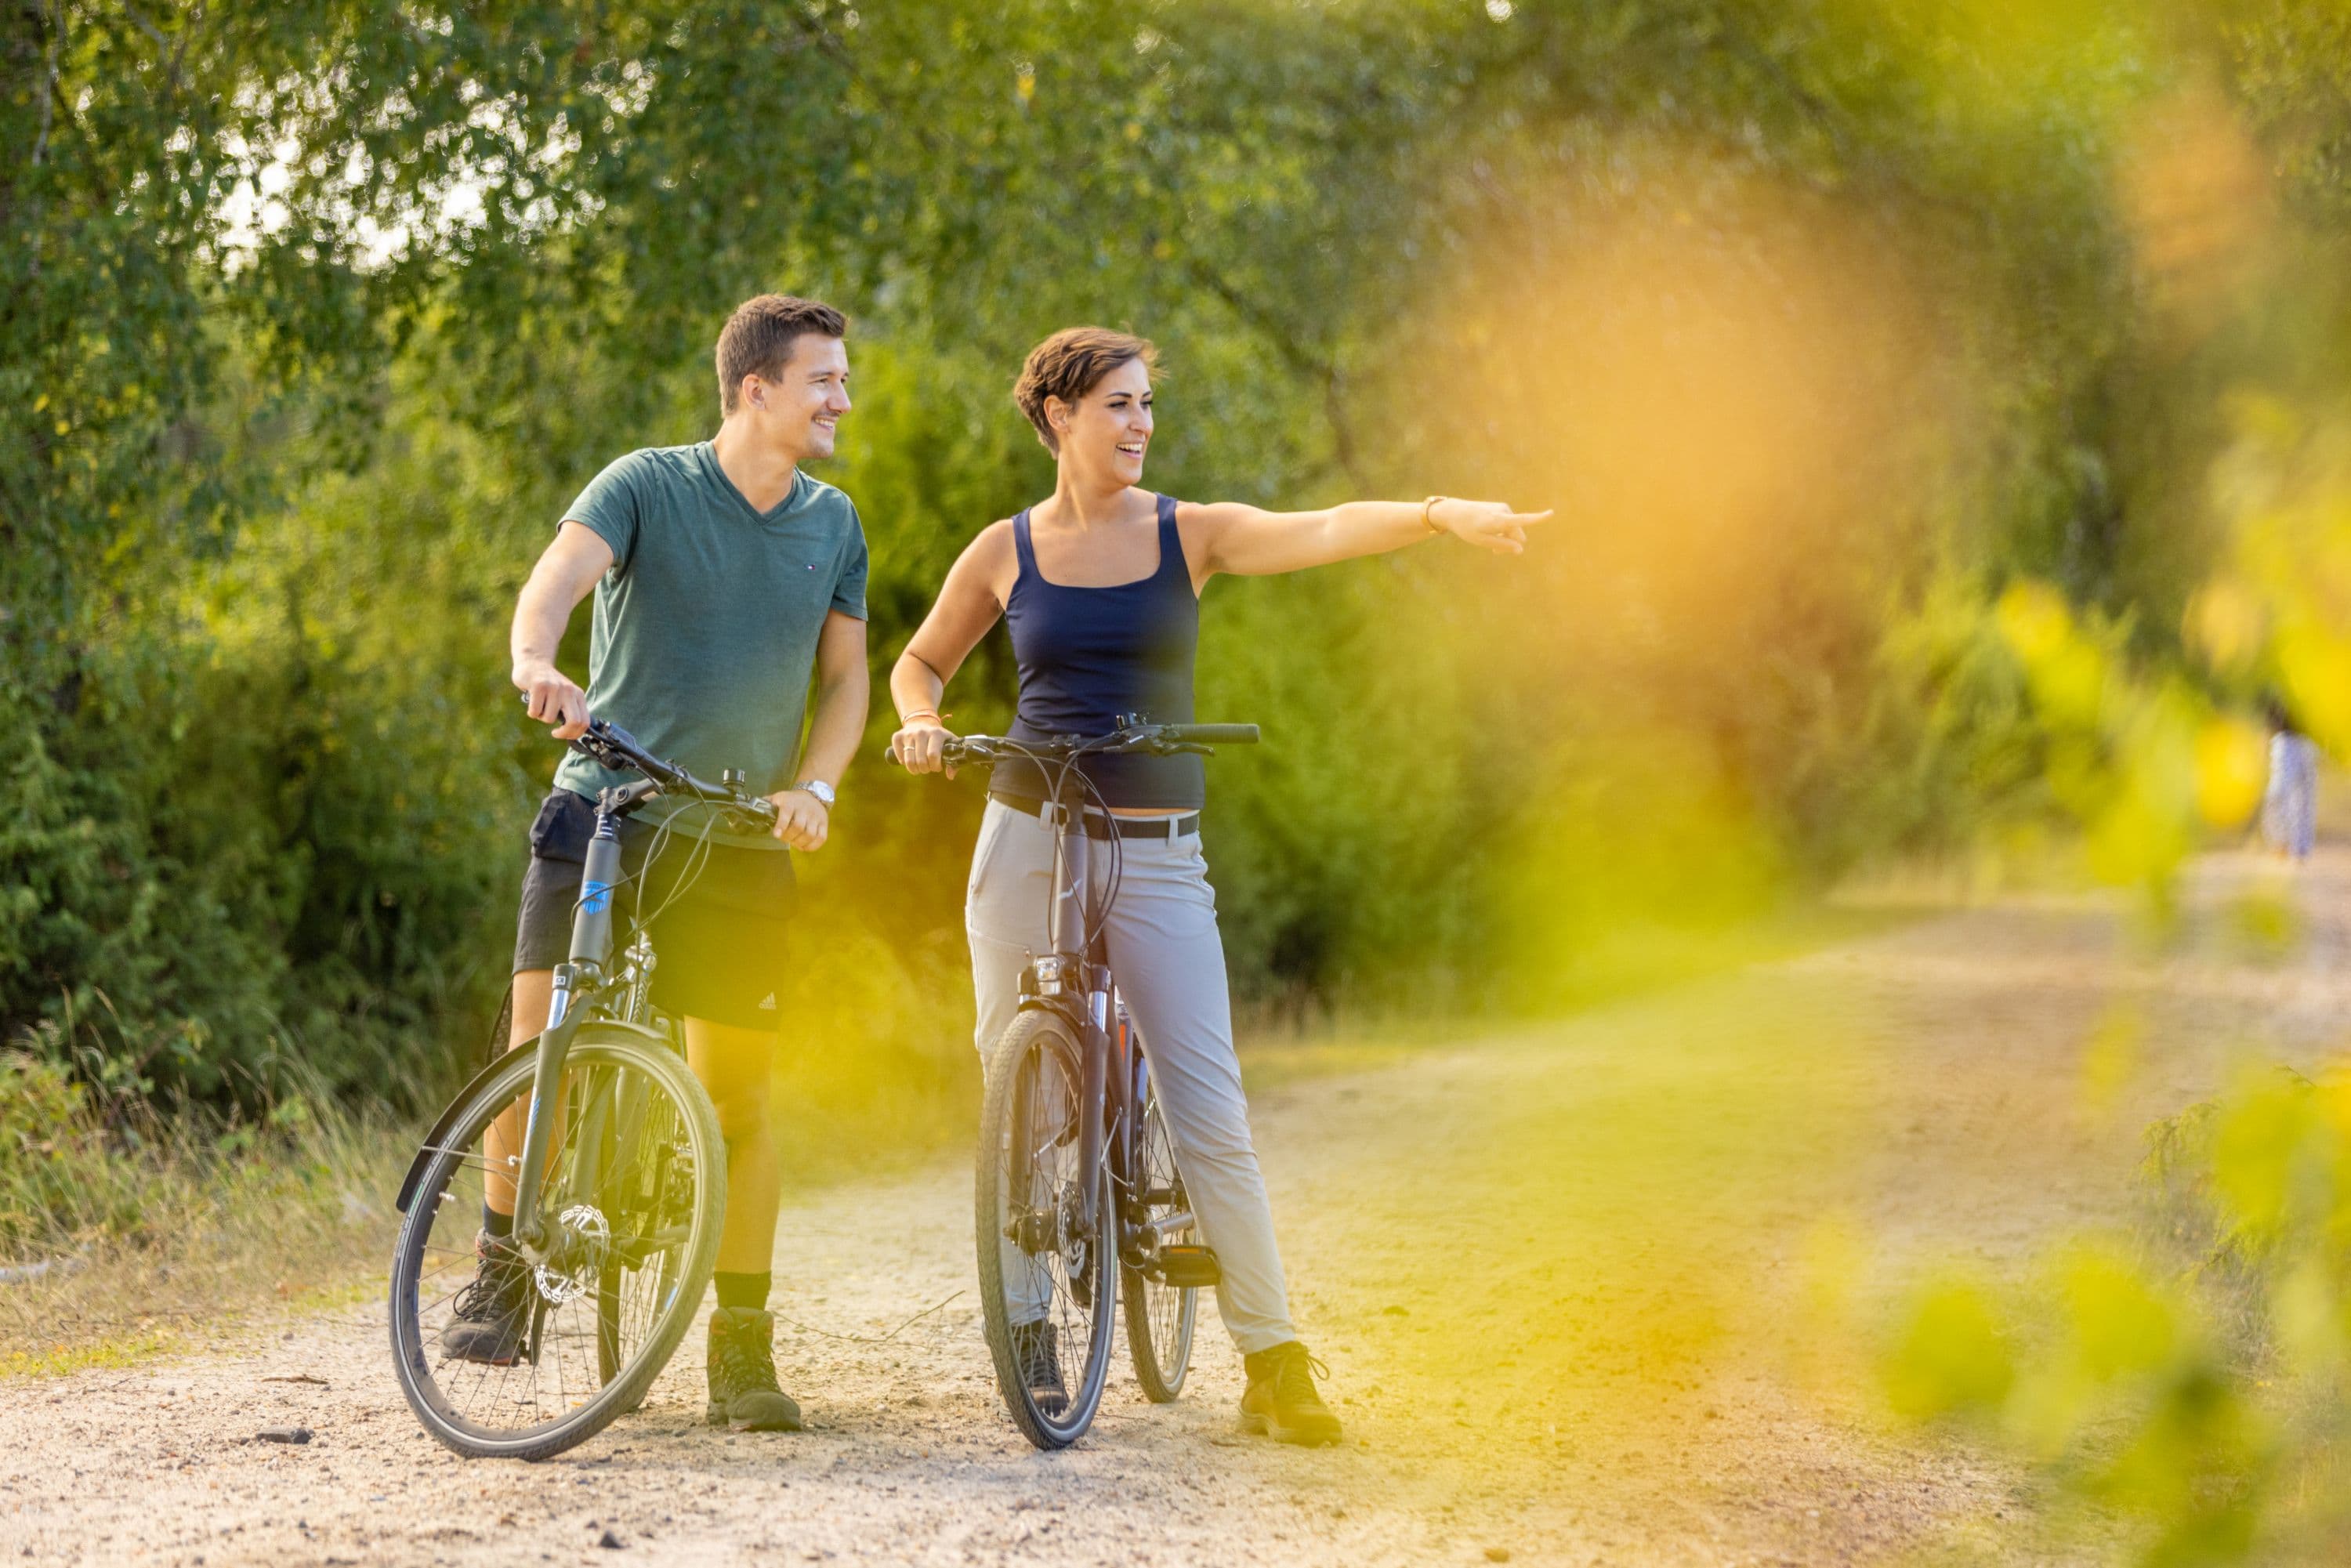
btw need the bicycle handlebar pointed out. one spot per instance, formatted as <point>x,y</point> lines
<point>616,749</point>
<point>1211,733</point>
<point>1161,739</point>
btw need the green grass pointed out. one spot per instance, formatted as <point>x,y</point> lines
<point>1292,1045</point>
<point>161,1226</point>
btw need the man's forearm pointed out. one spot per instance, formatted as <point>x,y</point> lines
<point>538,626</point>
<point>834,732</point>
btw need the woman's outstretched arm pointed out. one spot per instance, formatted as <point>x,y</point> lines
<point>1250,542</point>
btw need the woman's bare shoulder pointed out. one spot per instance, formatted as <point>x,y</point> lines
<point>990,562</point>
<point>991,544</point>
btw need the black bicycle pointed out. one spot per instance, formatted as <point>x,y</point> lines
<point>1078,1197</point>
<point>619,1187</point>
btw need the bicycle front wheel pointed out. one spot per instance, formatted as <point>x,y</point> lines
<point>635,1193</point>
<point>1048,1282</point>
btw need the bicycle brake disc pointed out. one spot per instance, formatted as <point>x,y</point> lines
<point>585,1237</point>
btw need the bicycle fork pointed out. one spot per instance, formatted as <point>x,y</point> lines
<point>591,943</point>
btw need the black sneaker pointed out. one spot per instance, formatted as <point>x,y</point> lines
<point>742,1366</point>
<point>1281,1400</point>
<point>1037,1348</point>
<point>493,1314</point>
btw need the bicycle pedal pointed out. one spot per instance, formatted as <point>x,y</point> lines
<point>1189,1267</point>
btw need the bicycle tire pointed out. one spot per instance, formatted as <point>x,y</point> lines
<point>1019,1082</point>
<point>606,1326</point>
<point>678,1287</point>
<point>1160,1318</point>
<point>610,1281</point>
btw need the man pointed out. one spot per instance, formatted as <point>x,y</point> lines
<point>721,572</point>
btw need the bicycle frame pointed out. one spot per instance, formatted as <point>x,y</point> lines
<point>1078,985</point>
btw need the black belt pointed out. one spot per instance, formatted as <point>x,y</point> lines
<point>1099,827</point>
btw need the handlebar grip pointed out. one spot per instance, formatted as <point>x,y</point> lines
<point>958,750</point>
<point>1210,733</point>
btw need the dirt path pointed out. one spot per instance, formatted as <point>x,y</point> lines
<point>1583,1290</point>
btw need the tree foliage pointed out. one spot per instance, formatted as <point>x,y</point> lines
<point>1821,322</point>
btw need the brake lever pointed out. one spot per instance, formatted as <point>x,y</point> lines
<point>758,812</point>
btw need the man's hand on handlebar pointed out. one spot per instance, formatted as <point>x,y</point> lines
<point>920,747</point>
<point>801,820</point>
<point>553,699</point>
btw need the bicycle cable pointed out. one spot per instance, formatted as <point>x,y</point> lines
<point>1067,766</point>
<point>697,860</point>
<point>1117,877</point>
<point>635,882</point>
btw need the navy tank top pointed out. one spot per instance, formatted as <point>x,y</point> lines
<point>1089,656</point>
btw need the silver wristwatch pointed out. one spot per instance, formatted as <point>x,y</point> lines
<point>817,787</point>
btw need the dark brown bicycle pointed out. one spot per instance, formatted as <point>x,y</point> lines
<point>1078,1200</point>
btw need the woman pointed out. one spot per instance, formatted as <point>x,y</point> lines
<point>2290,800</point>
<point>1100,585</point>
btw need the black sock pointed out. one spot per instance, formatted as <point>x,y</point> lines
<point>498,1224</point>
<point>744,1289</point>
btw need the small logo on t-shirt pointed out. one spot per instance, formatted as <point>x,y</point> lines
<point>769,1005</point>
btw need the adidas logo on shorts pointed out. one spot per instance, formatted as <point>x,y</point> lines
<point>769,1005</point>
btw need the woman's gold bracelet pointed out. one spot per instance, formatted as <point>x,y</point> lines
<point>1428,516</point>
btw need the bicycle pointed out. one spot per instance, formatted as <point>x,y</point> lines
<point>1073,1149</point>
<point>620,1189</point>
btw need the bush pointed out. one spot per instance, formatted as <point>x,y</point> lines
<point>2196,1384</point>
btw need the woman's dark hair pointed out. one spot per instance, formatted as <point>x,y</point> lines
<point>2280,717</point>
<point>1069,364</point>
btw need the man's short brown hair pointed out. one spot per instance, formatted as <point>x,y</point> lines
<point>1069,364</point>
<point>757,339</point>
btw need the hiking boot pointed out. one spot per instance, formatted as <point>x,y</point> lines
<point>1281,1401</point>
<point>1036,1347</point>
<point>492,1314</point>
<point>742,1364</point>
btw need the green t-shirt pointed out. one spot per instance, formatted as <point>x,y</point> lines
<point>705,627</point>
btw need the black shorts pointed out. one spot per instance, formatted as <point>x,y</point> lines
<point>719,938</point>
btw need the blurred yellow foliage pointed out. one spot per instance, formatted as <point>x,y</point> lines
<point>2231,765</point>
<point>2206,1401</point>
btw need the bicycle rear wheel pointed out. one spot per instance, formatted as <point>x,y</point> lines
<point>1160,1317</point>
<point>636,1182</point>
<point>1047,1284</point>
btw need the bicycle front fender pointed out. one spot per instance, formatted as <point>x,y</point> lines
<point>480,1080</point>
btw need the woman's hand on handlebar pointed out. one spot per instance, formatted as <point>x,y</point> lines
<point>920,747</point>
<point>552,699</point>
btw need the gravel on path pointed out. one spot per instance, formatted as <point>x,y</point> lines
<point>1579,1285</point>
